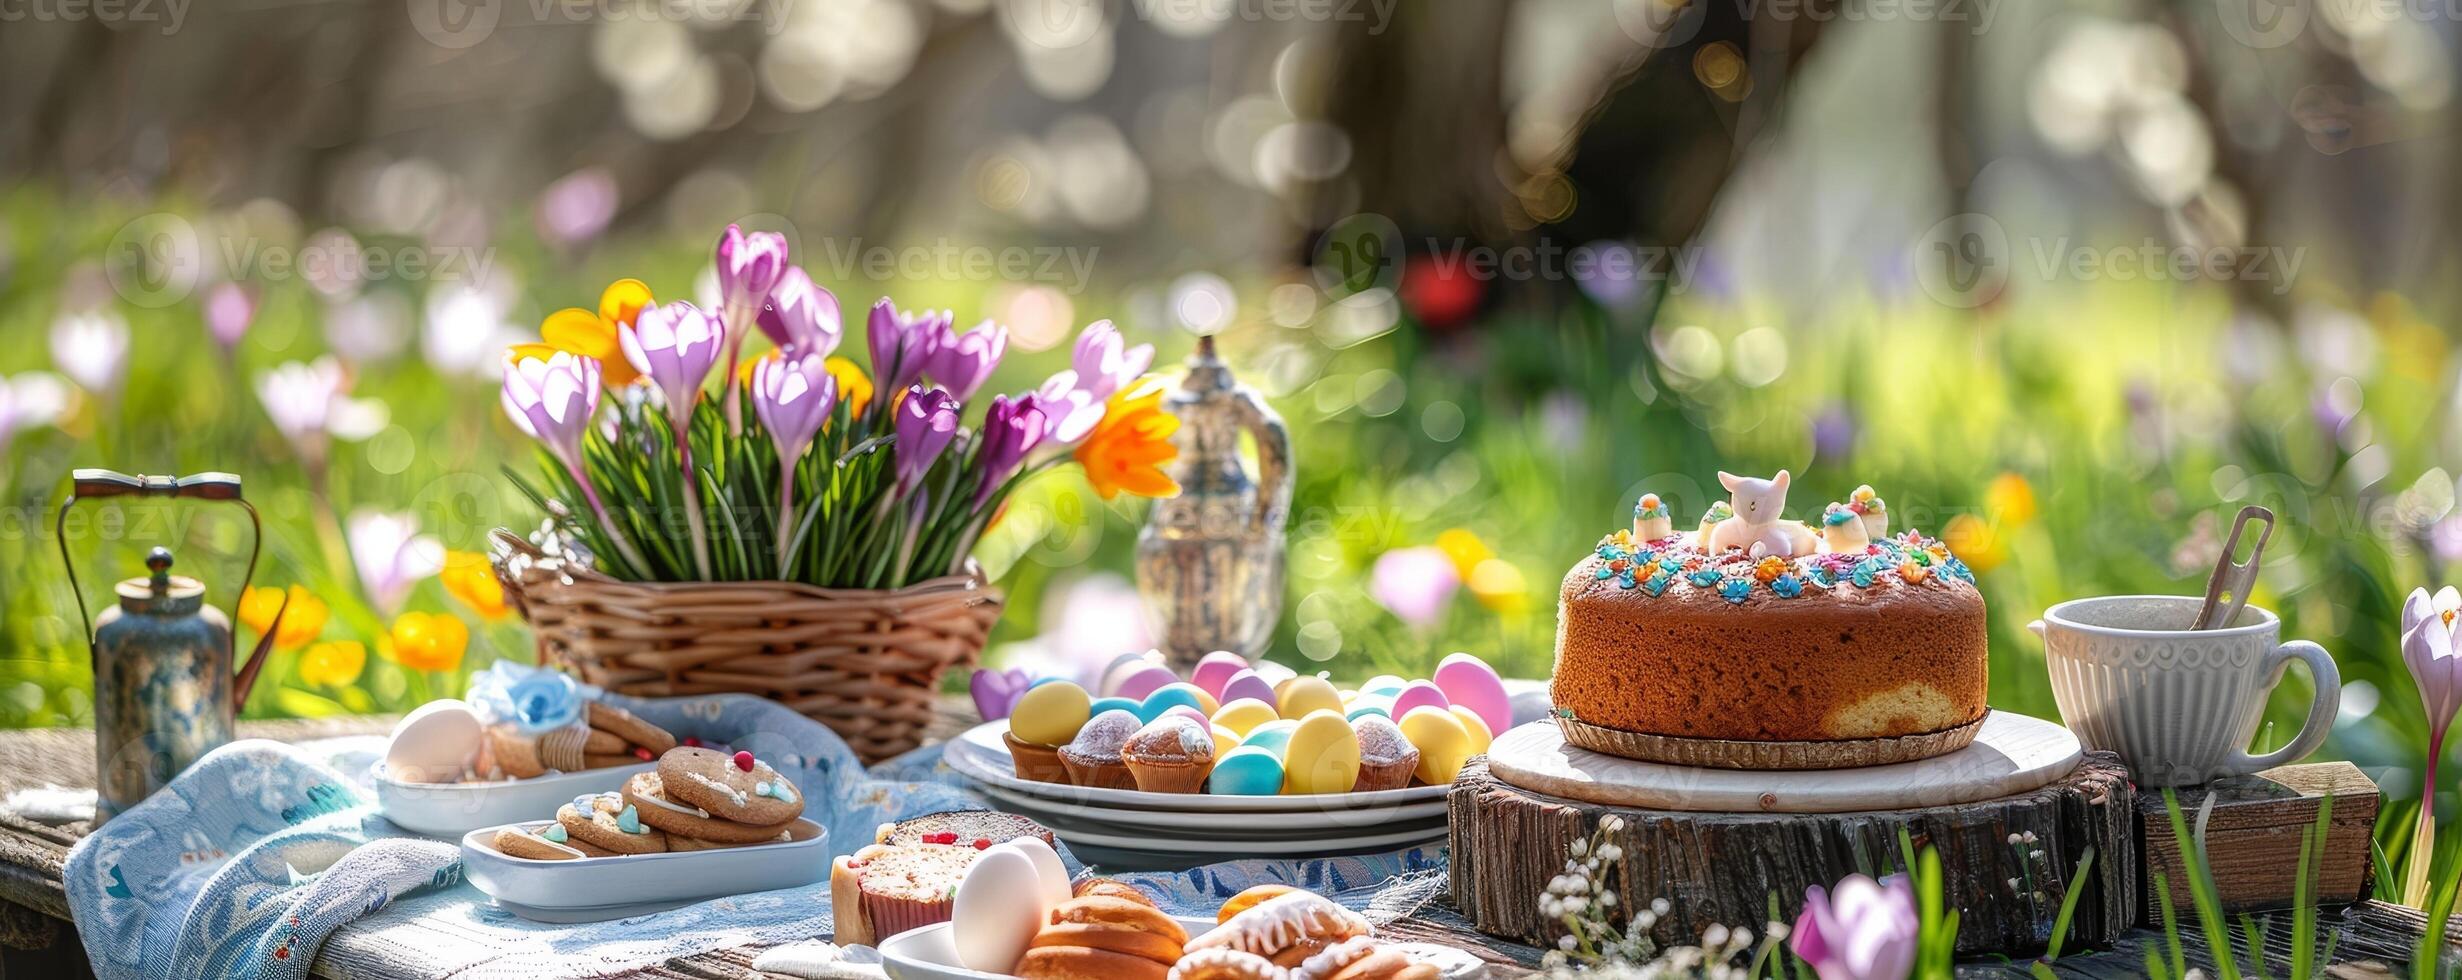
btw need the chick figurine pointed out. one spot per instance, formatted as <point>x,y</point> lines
<point>1650,520</point>
<point>1842,530</point>
<point>1868,505</point>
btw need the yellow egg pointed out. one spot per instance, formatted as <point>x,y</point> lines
<point>1323,756</point>
<point>1443,743</point>
<point>1244,715</point>
<point>1050,714</point>
<point>1307,694</point>
<point>1224,741</point>
<point>1480,737</point>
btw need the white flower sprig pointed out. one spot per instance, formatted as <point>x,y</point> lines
<point>1584,899</point>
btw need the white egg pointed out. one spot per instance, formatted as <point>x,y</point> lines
<point>1047,868</point>
<point>434,743</point>
<point>998,910</point>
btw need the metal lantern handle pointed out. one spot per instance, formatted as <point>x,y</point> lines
<point>96,483</point>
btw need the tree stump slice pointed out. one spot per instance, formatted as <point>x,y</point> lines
<point>1724,868</point>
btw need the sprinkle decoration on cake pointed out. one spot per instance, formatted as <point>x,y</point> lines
<point>1760,628</point>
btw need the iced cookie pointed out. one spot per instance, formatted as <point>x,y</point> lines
<point>738,787</point>
<point>648,793</point>
<point>606,820</point>
<point>547,843</point>
<point>1286,929</point>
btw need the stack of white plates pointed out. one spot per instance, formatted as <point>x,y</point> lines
<point>1128,829</point>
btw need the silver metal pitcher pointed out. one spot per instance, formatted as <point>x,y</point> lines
<point>164,694</point>
<point>1210,561</point>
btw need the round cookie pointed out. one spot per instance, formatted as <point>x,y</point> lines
<point>647,793</point>
<point>625,725</point>
<point>606,820</point>
<point>549,843</point>
<point>738,787</point>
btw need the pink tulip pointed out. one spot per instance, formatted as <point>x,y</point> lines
<point>1862,930</point>
<point>961,362</point>
<point>1415,584</point>
<point>801,318</point>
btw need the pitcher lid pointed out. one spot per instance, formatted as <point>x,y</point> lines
<point>160,592</point>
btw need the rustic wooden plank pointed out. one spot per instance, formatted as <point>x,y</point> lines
<point>2009,860</point>
<point>2252,836</point>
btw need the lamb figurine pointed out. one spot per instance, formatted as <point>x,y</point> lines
<point>1757,526</point>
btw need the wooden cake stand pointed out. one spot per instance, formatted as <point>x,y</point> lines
<point>1718,844</point>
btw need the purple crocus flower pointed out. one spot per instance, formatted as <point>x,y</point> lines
<point>961,362</point>
<point>675,346</point>
<point>902,343</point>
<point>1861,930</point>
<point>927,421</point>
<point>1415,584</point>
<point>577,206</point>
<point>1099,367</point>
<point>228,311</point>
<point>800,317</point>
<point>793,395</point>
<point>552,401</point>
<point>749,266</point>
<point>1011,430</point>
<point>2429,650</point>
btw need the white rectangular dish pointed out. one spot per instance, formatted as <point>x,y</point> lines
<point>595,889</point>
<point>449,810</point>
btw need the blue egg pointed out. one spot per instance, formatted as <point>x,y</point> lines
<point>1247,771</point>
<point>1273,736</point>
<point>1367,707</point>
<point>1167,698</point>
<point>1385,684</point>
<point>1101,705</point>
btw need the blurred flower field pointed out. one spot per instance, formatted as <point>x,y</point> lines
<point>2090,442</point>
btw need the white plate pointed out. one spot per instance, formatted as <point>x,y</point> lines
<point>925,954</point>
<point>591,889</point>
<point>1214,848</point>
<point>981,756</point>
<point>1293,824</point>
<point>449,810</point>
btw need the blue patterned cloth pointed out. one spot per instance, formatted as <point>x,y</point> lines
<point>263,858</point>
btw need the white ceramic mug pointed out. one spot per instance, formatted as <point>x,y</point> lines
<point>2179,706</point>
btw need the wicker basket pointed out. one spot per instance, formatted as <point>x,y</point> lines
<point>866,663</point>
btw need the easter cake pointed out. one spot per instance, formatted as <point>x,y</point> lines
<point>1762,642</point>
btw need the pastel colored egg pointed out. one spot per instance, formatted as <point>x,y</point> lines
<point>1113,704</point>
<point>1246,684</point>
<point>1323,756</point>
<point>1383,684</point>
<point>1040,681</point>
<point>1216,670</point>
<point>1418,694</point>
<point>1442,742</point>
<point>1144,681</point>
<point>1184,711</point>
<point>1205,702</point>
<point>1051,714</point>
<point>1273,736</point>
<point>1470,682</point>
<point>1224,740</point>
<point>1273,673</point>
<point>1370,704</point>
<point>1480,737</point>
<point>1304,695</point>
<point>1244,715</point>
<point>1107,684</point>
<point>998,908</point>
<point>1246,771</point>
<point>1167,698</point>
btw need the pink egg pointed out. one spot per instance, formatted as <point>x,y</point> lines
<point>1108,681</point>
<point>1246,684</point>
<point>1216,670</point>
<point>1418,694</point>
<point>1143,681</point>
<point>1468,681</point>
<point>1185,711</point>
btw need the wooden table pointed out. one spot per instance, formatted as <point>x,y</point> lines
<point>2375,939</point>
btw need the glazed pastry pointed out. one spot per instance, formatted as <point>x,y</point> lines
<point>606,820</point>
<point>1224,963</point>
<point>1252,897</point>
<point>647,793</point>
<point>1102,937</point>
<point>1110,888</point>
<point>1360,958</point>
<point>738,787</point>
<point>1170,755</point>
<point>1286,929</point>
<point>1386,759</point>
<point>1046,717</point>
<point>1093,757</point>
